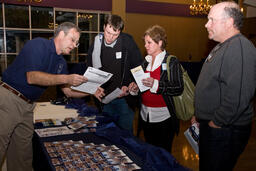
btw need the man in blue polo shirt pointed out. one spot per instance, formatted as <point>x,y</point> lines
<point>39,64</point>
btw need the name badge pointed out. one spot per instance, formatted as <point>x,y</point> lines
<point>118,55</point>
<point>164,66</point>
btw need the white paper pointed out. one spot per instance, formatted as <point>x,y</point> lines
<point>46,110</point>
<point>113,95</point>
<point>95,78</point>
<point>192,141</point>
<point>139,74</point>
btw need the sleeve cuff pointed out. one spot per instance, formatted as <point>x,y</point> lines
<point>155,86</point>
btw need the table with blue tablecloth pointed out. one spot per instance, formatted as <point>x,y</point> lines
<point>144,155</point>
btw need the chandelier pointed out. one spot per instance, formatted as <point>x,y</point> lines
<point>200,7</point>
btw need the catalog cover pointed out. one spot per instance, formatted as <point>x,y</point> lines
<point>192,135</point>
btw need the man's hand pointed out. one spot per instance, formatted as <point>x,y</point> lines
<point>99,94</point>
<point>193,120</point>
<point>75,79</point>
<point>125,91</point>
<point>212,124</point>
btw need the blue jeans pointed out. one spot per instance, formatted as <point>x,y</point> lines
<point>120,108</point>
<point>219,148</point>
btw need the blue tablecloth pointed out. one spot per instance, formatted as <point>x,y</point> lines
<point>147,156</point>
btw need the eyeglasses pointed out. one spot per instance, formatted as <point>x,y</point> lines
<point>75,41</point>
<point>77,44</point>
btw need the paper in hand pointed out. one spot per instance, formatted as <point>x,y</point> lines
<point>139,74</point>
<point>95,78</point>
<point>192,135</point>
<point>113,95</point>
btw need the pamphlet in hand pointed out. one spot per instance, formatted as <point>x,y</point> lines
<point>139,74</point>
<point>95,78</point>
<point>113,95</point>
<point>192,135</point>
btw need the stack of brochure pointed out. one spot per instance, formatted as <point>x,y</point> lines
<point>53,131</point>
<point>49,122</point>
<point>83,124</point>
<point>74,125</point>
<point>77,155</point>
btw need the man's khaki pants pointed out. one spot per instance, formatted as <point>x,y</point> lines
<point>16,120</point>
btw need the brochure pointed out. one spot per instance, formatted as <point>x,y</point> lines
<point>54,131</point>
<point>113,95</point>
<point>77,155</point>
<point>95,78</point>
<point>139,74</point>
<point>192,135</point>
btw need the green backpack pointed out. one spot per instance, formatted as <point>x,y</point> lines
<point>184,103</point>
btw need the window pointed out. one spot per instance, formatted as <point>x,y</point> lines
<point>16,16</point>
<point>87,21</point>
<point>23,23</point>
<point>44,34</point>
<point>41,17</point>
<point>62,16</point>
<point>1,16</point>
<point>15,40</point>
<point>1,41</point>
<point>85,41</point>
<point>102,18</point>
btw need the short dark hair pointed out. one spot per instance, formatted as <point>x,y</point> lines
<point>66,26</point>
<point>115,21</point>
<point>233,10</point>
<point>157,33</point>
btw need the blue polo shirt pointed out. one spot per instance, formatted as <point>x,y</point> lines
<point>37,55</point>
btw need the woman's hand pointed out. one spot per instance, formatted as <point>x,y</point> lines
<point>149,82</point>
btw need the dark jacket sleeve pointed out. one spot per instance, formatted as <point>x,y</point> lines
<point>174,86</point>
<point>132,55</point>
<point>134,52</point>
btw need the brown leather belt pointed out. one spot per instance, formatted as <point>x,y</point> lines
<point>3,84</point>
